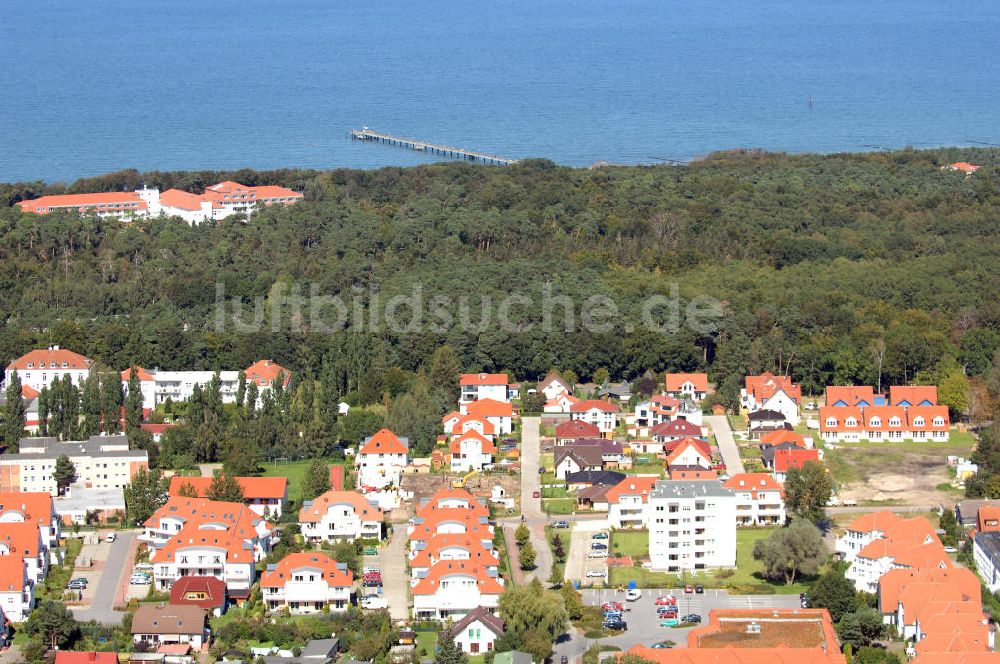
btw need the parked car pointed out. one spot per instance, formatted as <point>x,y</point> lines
<point>564,660</point>
<point>80,579</point>
<point>595,573</point>
<point>669,622</point>
<point>688,590</point>
<point>110,537</point>
<point>699,589</point>
<point>76,585</point>
<point>144,567</point>
<point>370,570</point>
<point>600,536</point>
<point>560,524</point>
<point>536,494</point>
<point>666,600</point>
<point>633,594</point>
<point>616,625</point>
<point>612,606</point>
<point>597,554</point>
<point>662,645</point>
<point>139,580</point>
<point>374,602</point>
<point>692,618</point>
<point>370,551</point>
<point>598,546</point>
<point>666,610</point>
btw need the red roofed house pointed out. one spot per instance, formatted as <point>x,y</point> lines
<point>340,515</point>
<point>381,459</point>
<point>452,546</point>
<point>570,432</point>
<point>118,204</point>
<point>471,451</point>
<point>878,542</point>
<point>475,387</point>
<point>478,631</point>
<point>759,499</point>
<point>40,368</point>
<point>628,501</point>
<point>690,452</point>
<point>455,588</point>
<point>498,413</point>
<point>852,424</point>
<point>791,458</point>
<point>456,425</point>
<point>988,519</point>
<point>850,395</point>
<point>770,392</point>
<point>780,436</point>
<point>159,386</point>
<point>267,496</point>
<point>307,582</point>
<point>692,386</point>
<point>962,167</point>
<point>200,537</point>
<point>32,507</point>
<point>206,592</point>
<point>667,432</point>
<point>17,592</point>
<point>266,374</point>
<point>89,657</point>
<point>23,540</point>
<point>561,403</point>
<point>602,414</point>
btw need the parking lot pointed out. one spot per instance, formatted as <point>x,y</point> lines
<point>644,624</point>
<point>578,562</point>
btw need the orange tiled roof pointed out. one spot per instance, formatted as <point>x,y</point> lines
<point>487,585</point>
<point>110,200</point>
<point>841,415</point>
<point>892,584</point>
<point>253,487</point>
<point>462,420</point>
<point>928,413</point>
<point>448,494</point>
<point>632,486</point>
<point>591,404</point>
<point>455,446</point>
<point>780,436</point>
<point>851,395</point>
<point>22,539</point>
<point>363,509</point>
<point>685,444</point>
<point>143,374</point>
<point>577,429</point>
<point>13,576</point>
<point>28,392</point>
<point>793,458</point>
<point>45,358</point>
<point>674,381</point>
<point>752,482</point>
<point>764,386</point>
<point>912,394</point>
<point>482,379</point>
<point>266,372</point>
<point>881,521</point>
<point>957,658</point>
<point>383,442</point>
<point>35,506</point>
<point>780,655</point>
<point>282,573</point>
<point>184,200</point>
<point>963,166</point>
<point>438,543</point>
<point>423,532</point>
<point>489,408</point>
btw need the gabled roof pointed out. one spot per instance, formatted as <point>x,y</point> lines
<point>765,415</point>
<point>892,583</point>
<point>336,575</point>
<point>445,497</point>
<point>313,510</point>
<point>211,591</point>
<point>779,436</point>
<point>129,199</point>
<point>913,395</point>
<point>702,446</point>
<point>168,619</point>
<point>849,395</point>
<point>676,428</point>
<point>489,408</point>
<point>462,420</point>
<point>51,358</point>
<point>752,482</point>
<point>928,413</point>
<point>764,386</point>
<point>22,539</point>
<point>839,416</point>
<point>483,615</point>
<point>585,456</point>
<point>793,458</point>
<point>486,445</point>
<point>553,377</point>
<point>482,379</point>
<point>882,521</point>
<point>88,657</point>
<point>33,506</point>
<point>383,442</point>
<point>683,446</point>
<point>438,543</point>
<point>608,477</point>
<point>13,574</point>
<point>185,200</point>
<point>674,381</point>
<point>253,487</point>
<point>144,375</point>
<point>266,372</point>
<point>575,429</point>
<point>594,404</point>
<point>486,583</point>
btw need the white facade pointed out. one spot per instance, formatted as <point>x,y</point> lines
<point>986,551</point>
<point>476,637</point>
<point>307,591</point>
<point>692,526</point>
<point>380,470</point>
<point>17,604</point>
<point>339,519</point>
<point>604,420</point>
<point>782,403</point>
<point>101,462</point>
<point>201,560</point>
<point>40,368</point>
<point>467,454</point>
<point>453,593</point>
<point>496,391</point>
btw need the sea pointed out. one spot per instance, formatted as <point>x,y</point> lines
<point>88,87</point>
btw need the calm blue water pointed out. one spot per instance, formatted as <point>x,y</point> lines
<point>96,85</point>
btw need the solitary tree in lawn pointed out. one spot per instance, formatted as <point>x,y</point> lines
<point>791,551</point>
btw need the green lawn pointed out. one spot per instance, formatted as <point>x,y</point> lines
<point>648,469</point>
<point>295,471</point>
<point>426,642</point>
<point>627,543</point>
<point>559,505</point>
<point>556,492</point>
<point>857,462</point>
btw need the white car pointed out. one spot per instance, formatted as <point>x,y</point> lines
<point>369,570</point>
<point>594,573</point>
<point>374,602</point>
<point>139,579</point>
<point>598,554</point>
<point>110,537</point>
<point>144,567</point>
<point>633,594</point>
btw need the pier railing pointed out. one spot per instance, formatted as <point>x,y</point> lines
<point>426,146</point>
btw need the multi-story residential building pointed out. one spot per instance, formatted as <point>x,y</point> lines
<point>660,408</point>
<point>380,460</point>
<point>471,451</point>
<point>217,202</point>
<point>562,403</point>
<point>199,537</point>
<point>878,542</point>
<point>628,501</point>
<point>449,511</point>
<point>770,392</point>
<point>454,588</point>
<point>35,507</point>
<point>500,414</point>
<point>340,515</point>
<point>17,591</point>
<point>101,462</point>
<point>267,496</point>
<point>692,386</point>
<point>913,395</point>
<point>307,582</point>
<point>852,424</point>
<point>690,452</point>
<point>759,499</point>
<point>786,458</point>
<point>455,424</point>
<point>23,540</point>
<point>159,386</point>
<point>475,387</point>
<point>451,546</point>
<point>602,414</point>
<point>692,525</point>
<point>40,368</point>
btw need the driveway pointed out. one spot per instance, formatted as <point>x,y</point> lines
<point>112,585</point>
<point>578,562</point>
<point>531,507</point>
<point>391,561</point>
<point>727,446</point>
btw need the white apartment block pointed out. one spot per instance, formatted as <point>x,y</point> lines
<point>101,462</point>
<point>17,592</point>
<point>759,499</point>
<point>381,459</point>
<point>475,387</point>
<point>340,515</point>
<point>692,526</point>
<point>40,368</point>
<point>307,582</point>
<point>602,414</point>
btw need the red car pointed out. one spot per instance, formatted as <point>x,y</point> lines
<point>611,606</point>
<point>536,494</point>
<point>688,590</point>
<point>666,600</point>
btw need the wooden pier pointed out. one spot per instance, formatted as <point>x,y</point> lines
<point>367,134</point>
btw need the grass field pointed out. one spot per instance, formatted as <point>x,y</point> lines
<point>634,544</point>
<point>648,469</point>
<point>295,471</point>
<point>559,505</point>
<point>426,642</point>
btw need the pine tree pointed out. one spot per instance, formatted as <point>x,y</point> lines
<point>43,411</point>
<point>111,402</point>
<point>187,490</point>
<point>253,393</point>
<point>448,651</point>
<point>241,391</point>
<point>226,488</point>
<point>14,410</point>
<point>90,405</point>
<point>133,406</point>
<point>316,481</point>
<point>64,473</point>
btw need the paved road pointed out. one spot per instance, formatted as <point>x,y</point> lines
<point>578,560</point>
<point>531,507</point>
<point>391,561</point>
<point>109,587</point>
<point>727,446</point>
<point>899,509</point>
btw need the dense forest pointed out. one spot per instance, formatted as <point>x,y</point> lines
<point>851,268</point>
